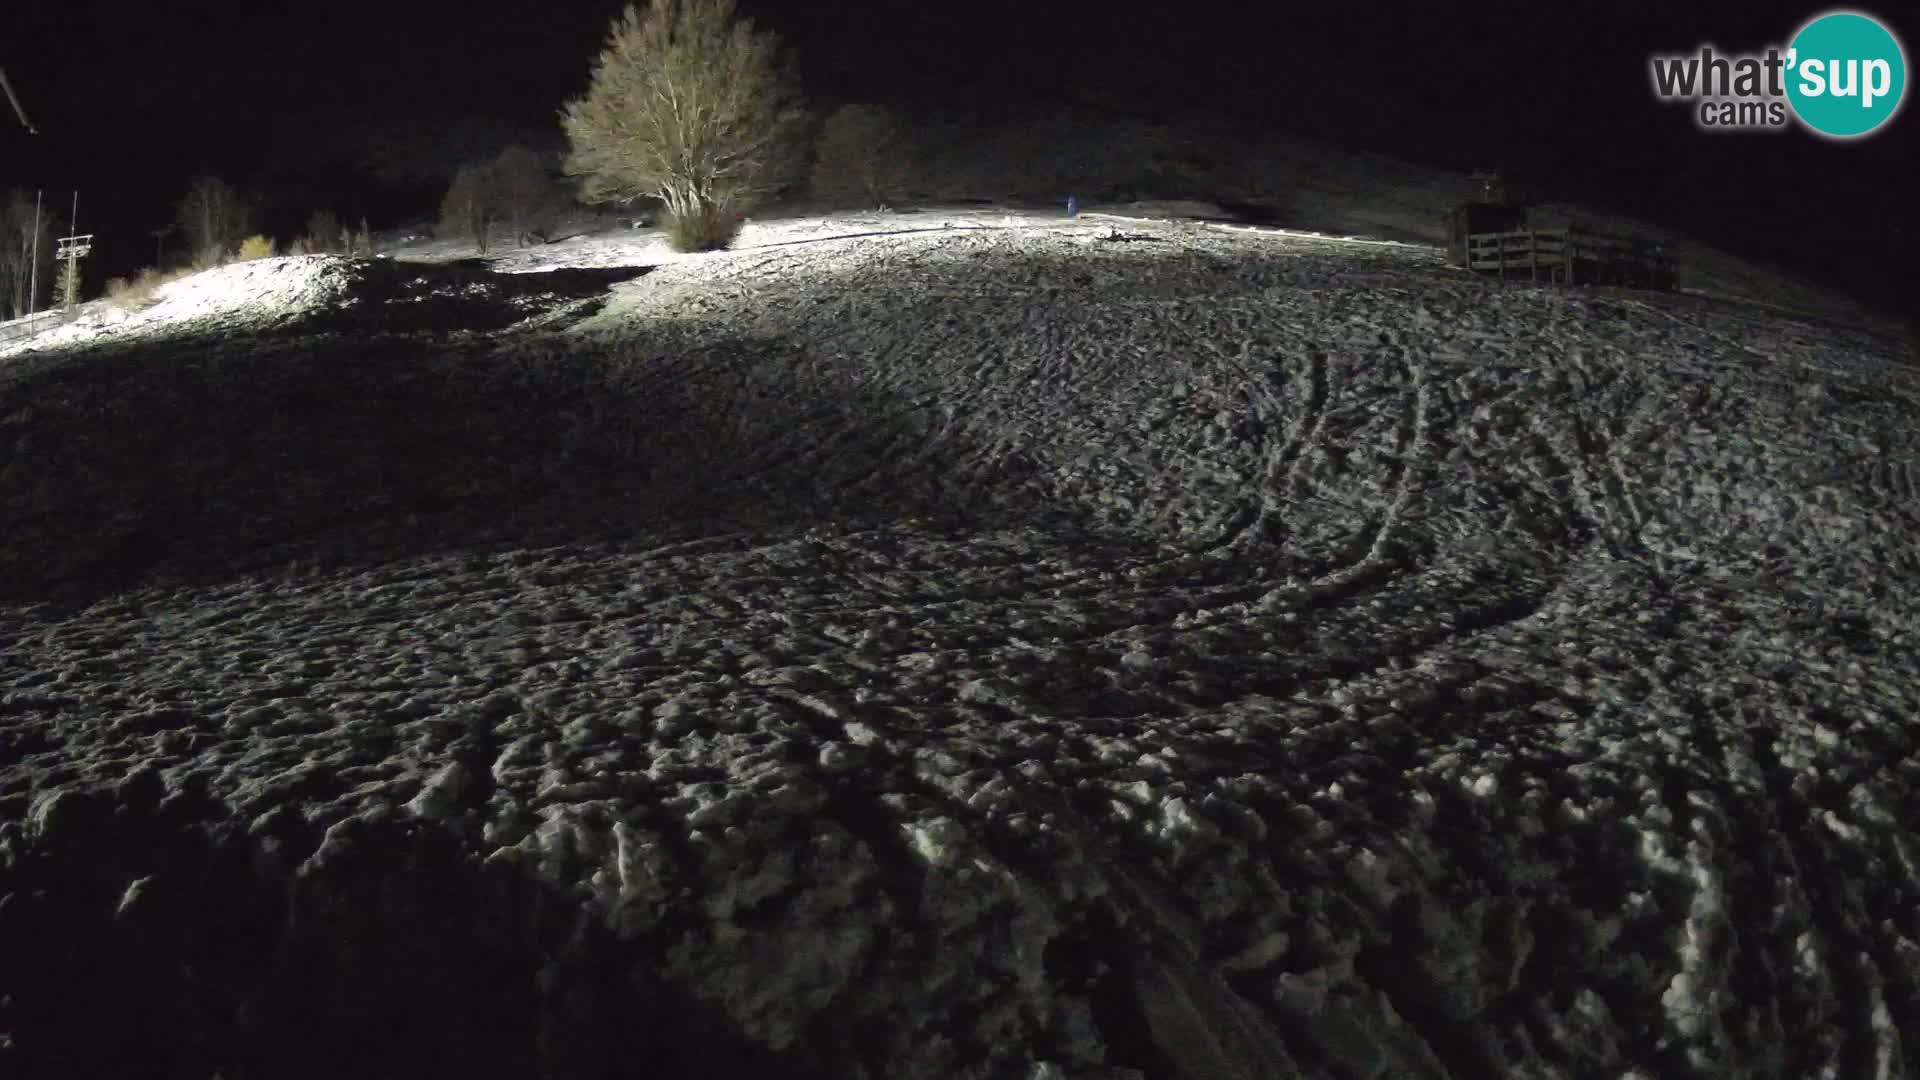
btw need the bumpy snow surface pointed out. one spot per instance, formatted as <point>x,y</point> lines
<point>999,650</point>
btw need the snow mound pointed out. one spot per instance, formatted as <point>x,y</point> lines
<point>245,297</point>
<point>315,293</point>
<point>290,283</point>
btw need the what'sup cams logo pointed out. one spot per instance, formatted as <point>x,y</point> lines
<point>1842,76</point>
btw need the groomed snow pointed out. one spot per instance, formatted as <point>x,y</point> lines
<point>1010,647</point>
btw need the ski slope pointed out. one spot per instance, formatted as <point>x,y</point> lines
<point>973,644</point>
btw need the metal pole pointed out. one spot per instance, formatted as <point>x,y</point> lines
<point>33,275</point>
<point>73,261</point>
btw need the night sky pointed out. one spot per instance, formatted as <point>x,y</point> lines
<point>365,106</point>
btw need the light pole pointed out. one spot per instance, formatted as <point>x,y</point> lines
<point>33,273</point>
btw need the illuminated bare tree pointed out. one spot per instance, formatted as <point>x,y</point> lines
<point>691,104</point>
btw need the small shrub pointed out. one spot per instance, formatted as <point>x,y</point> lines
<point>298,247</point>
<point>130,295</point>
<point>138,293</point>
<point>256,247</point>
<point>704,227</point>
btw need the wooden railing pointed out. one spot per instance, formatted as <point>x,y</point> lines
<point>1569,256</point>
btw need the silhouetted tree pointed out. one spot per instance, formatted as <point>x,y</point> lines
<point>323,233</point>
<point>472,204</point>
<point>527,195</point>
<point>862,153</point>
<point>215,217</point>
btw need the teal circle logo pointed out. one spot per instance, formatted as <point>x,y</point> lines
<point>1846,74</point>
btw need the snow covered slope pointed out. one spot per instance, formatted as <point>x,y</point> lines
<point>1020,649</point>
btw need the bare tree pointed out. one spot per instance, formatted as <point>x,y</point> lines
<point>17,249</point>
<point>472,203</point>
<point>863,153</point>
<point>215,217</point>
<point>693,105</point>
<point>527,195</point>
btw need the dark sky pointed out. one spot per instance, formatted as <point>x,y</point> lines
<point>298,99</point>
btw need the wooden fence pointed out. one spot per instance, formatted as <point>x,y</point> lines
<point>1569,256</point>
<point>33,324</point>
